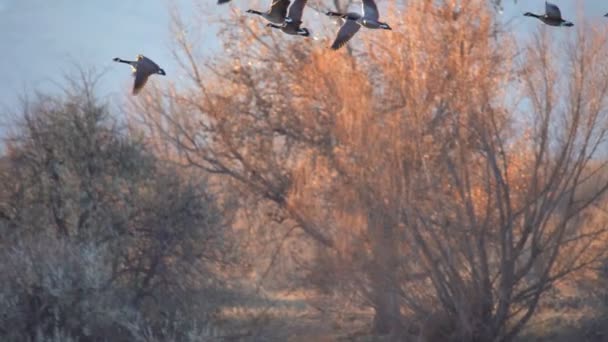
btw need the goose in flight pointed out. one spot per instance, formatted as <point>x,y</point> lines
<point>142,67</point>
<point>552,16</point>
<point>276,13</point>
<point>293,20</point>
<point>353,21</point>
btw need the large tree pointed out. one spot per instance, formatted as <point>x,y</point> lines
<point>435,169</point>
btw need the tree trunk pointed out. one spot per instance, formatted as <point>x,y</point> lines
<point>383,274</point>
<point>387,315</point>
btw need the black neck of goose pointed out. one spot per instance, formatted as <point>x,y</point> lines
<point>254,12</point>
<point>124,61</point>
<point>335,14</point>
<point>274,25</point>
<point>528,14</point>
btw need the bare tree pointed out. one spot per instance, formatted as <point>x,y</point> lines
<point>410,161</point>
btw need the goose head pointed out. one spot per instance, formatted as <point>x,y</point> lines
<point>161,72</point>
<point>385,26</point>
<point>271,25</point>
<point>303,32</point>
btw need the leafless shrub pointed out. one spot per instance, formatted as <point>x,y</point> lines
<point>56,287</point>
<point>97,231</point>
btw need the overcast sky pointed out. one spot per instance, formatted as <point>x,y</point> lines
<point>41,39</point>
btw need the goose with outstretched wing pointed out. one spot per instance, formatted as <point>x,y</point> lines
<point>354,21</point>
<point>293,21</point>
<point>143,68</point>
<point>552,16</point>
<point>276,13</point>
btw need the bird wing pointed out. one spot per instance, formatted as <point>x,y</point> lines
<point>346,32</point>
<point>296,10</point>
<point>552,11</point>
<point>145,68</point>
<point>147,65</point>
<point>140,81</point>
<point>279,8</point>
<point>370,10</point>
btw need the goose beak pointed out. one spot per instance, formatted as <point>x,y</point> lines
<point>162,72</point>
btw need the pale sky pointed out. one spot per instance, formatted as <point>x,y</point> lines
<point>41,39</point>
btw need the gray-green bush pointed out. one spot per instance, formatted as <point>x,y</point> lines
<point>101,241</point>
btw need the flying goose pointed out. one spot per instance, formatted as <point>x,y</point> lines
<point>277,12</point>
<point>552,16</point>
<point>353,21</point>
<point>293,20</point>
<point>142,68</point>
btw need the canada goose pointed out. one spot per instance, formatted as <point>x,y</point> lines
<point>142,68</point>
<point>353,21</point>
<point>293,20</point>
<point>552,16</point>
<point>277,12</point>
